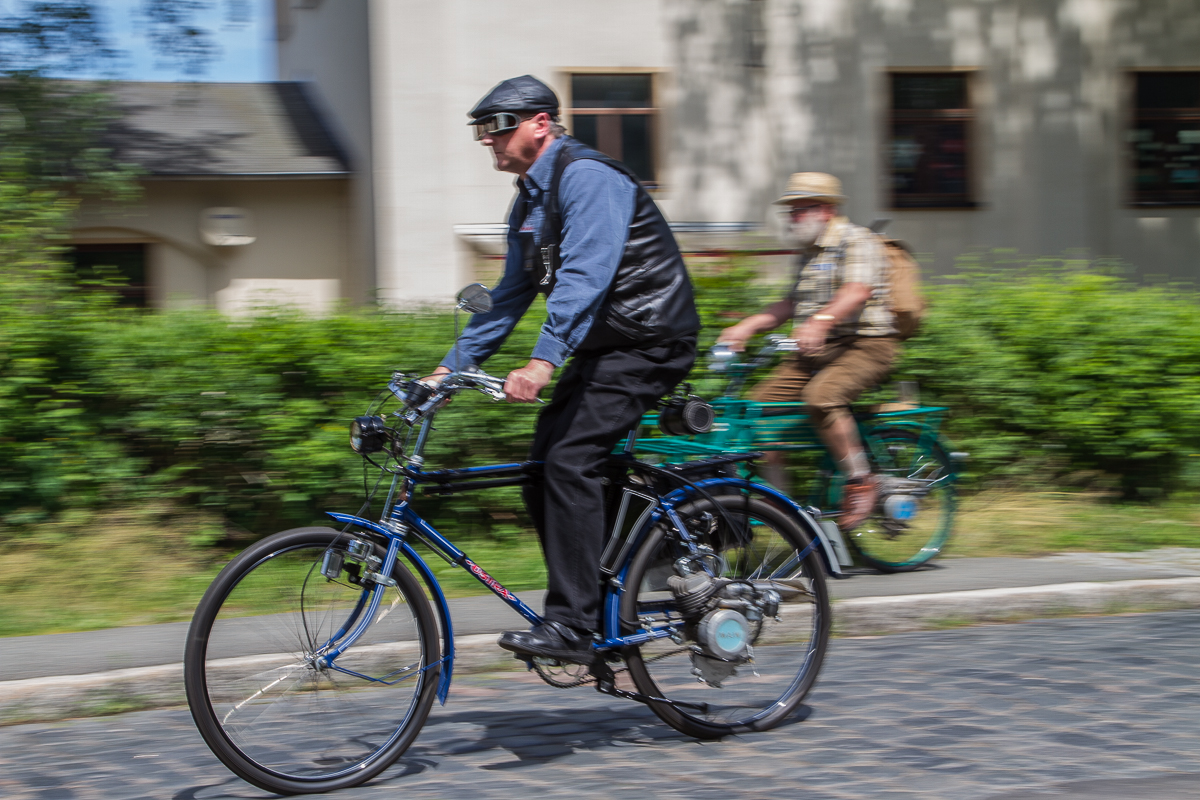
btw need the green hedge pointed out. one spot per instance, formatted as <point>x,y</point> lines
<point>1059,374</point>
<point>103,407</point>
<point>1055,374</point>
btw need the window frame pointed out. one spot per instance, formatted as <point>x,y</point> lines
<point>968,115</point>
<point>654,110</point>
<point>1136,198</point>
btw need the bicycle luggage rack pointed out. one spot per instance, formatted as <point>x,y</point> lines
<point>743,426</point>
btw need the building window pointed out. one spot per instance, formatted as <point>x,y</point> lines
<point>123,265</point>
<point>1165,139</point>
<point>616,115</point>
<point>929,140</point>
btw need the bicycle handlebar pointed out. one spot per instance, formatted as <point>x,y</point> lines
<point>722,357</point>
<point>420,397</point>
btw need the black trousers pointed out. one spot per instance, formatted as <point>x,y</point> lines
<point>599,397</point>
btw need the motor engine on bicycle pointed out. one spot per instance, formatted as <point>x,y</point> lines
<point>723,616</point>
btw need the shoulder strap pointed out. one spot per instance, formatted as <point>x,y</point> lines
<point>572,150</point>
<point>802,261</point>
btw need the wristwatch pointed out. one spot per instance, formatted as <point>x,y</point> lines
<point>824,317</point>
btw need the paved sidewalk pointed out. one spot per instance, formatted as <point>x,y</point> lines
<point>140,666</point>
<point>24,657</point>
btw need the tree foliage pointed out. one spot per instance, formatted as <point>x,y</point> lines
<point>62,37</point>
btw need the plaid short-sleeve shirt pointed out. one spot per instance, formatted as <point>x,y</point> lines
<point>845,253</point>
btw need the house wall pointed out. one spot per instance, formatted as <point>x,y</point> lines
<point>753,90</point>
<point>431,63</point>
<point>1052,109</point>
<point>325,44</point>
<point>302,229</point>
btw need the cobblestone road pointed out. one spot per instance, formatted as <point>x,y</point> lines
<point>1079,708</point>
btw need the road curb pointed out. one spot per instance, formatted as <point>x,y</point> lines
<point>916,612</point>
<point>115,691</point>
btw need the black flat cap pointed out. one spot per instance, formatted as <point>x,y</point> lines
<point>525,93</point>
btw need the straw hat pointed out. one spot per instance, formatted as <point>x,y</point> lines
<point>812,186</point>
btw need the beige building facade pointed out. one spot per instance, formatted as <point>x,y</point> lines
<point>245,201</point>
<point>1060,127</point>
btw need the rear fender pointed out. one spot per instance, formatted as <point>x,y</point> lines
<point>787,505</point>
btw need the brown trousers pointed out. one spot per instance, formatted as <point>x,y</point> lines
<point>828,381</point>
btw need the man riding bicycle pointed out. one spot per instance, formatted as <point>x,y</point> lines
<point>584,232</point>
<point>845,333</point>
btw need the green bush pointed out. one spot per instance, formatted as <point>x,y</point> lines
<point>1056,373</point>
<point>245,418</point>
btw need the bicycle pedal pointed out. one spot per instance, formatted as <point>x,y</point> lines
<point>606,680</point>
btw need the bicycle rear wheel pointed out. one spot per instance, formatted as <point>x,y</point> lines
<point>263,701</point>
<point>709,697</point>
<point>917,478</point>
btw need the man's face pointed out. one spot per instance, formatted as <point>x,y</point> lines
<point>515,150</point>
<point>808,221</point>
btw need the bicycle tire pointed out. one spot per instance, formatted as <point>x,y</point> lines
<point>263,706</point>
<point>891,546</point>
<point>787,652</point>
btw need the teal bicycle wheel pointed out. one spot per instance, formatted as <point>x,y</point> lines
<point>915,514</point>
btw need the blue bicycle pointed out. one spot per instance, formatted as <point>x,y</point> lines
<point>314,658</point>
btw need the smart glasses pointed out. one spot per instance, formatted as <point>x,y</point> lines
<point>496,124</point>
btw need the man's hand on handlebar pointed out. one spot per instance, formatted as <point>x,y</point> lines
<point>523,385</point>
<point>735,336</point>
<point>437,376</point>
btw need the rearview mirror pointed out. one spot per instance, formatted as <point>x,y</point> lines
<point>475,298</point>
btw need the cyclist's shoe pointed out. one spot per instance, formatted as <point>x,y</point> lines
<point>550,640</point>
<point>859,497</point>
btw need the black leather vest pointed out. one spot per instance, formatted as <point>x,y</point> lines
<point>651,296</point>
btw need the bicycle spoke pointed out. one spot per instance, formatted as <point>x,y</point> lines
<point>271,707</point>
<point>711,696</point>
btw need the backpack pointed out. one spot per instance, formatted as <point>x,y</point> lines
<point>904,287</point>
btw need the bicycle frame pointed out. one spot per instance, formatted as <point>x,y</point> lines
<point>399,521</point>
<point>743,425</point>
<point>748,425</point>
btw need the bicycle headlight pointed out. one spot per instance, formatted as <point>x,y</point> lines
<point>367,435</point>
<point>684,415</point>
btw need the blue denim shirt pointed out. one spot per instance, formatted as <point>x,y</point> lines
<point>597,205</point>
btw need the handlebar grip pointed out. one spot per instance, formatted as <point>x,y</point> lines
<point>721,352</point>
<point>720,356</point>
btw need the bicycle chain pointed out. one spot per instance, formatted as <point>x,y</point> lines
<point>546,676</point>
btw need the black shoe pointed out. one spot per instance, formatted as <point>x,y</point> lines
<point>550,640</point>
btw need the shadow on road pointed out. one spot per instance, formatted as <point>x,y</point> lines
<point>505,740</point>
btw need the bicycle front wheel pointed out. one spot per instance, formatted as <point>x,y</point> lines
<point>915,514</point>
<point>264,699</point>
<point>700,691</point>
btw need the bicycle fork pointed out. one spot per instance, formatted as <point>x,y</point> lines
<point>331,567</point>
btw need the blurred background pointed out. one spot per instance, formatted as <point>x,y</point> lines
<point>224,222</point>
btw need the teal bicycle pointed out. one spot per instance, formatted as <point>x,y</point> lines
<point>916,468</point>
